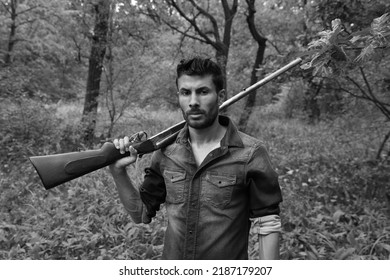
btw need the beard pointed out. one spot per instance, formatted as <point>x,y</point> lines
<point>200,119</point>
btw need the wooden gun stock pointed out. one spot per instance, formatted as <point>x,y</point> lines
<point>60,168</point>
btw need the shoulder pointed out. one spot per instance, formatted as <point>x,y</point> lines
<point>256,148</point>
<point>250,141</point>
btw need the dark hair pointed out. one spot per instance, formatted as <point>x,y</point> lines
<point>201,66</point>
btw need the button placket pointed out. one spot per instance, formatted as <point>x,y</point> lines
<point>193,204</point>
<point>192,218</point>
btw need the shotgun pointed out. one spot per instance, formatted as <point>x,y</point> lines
<point>57,169</point>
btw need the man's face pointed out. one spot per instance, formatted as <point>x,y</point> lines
<point>198,100</point>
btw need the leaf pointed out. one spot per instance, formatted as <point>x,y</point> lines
<point>337,215</point>
<point>351,239</point>
<point>348,252</point>
<point>384,246</point>
<point>336,23</point>
<point>133,233</point>
<point>342,253</point>
<point>306,66</point>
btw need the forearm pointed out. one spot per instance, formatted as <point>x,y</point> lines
<point>128,194</point>
<point>269,246</point>
<point>268,229</point>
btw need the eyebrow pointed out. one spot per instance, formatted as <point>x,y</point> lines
<point>203,88</point>
<point>197,89</point>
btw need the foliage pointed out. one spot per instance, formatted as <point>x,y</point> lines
<point>334,206</point>
<point>329,54</point>
<point>336,196</point>
<point>26,127</point>
<point>38,53</point>
<point>337,55</point>
<point>355,14</point>
<point>83,221</point>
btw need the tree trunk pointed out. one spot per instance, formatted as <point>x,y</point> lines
<point>11,40</point>
<point>382,146</point>
<point>311,105</point>
<point>222,47</point>
<point>98,50</point>
<point>261,42</point>
<point>221,56</point>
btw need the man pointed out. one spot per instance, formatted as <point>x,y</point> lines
<point>214,180</point>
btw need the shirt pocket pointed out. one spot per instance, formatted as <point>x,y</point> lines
<point>218,189</point>
<point>174,182</point>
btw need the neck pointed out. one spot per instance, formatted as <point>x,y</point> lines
<point>213,133</point>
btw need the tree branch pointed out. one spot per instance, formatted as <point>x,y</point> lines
<point>184,33</point>
<point>387,136</point>
<point>6,7</point>
<point>380,105</point>
<point>229,15</point>
<point>193,24</point>
<point>29,9</point>
<point>26,22</point>
<point>210,17</point>
<point>364,97</point>
<point>251,23</point>
<point>275,47</point>
<point>368,86</point>
<point>376,102</point>
<point>180,45</point>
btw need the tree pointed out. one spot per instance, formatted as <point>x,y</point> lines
<point>101,10</point>
<point>128,62</point>
<point>19,15</point>
<point>344,56</point>
<point>36,58</point>
<point>261,45</point>
<point>203,26</point>
<point>355,15</point>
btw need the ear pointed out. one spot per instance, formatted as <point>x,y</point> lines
<point>221,96</point>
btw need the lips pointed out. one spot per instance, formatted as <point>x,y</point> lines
<point>195,113</point>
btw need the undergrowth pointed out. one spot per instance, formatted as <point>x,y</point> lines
<point>336,203</point>
<point>336,196</point>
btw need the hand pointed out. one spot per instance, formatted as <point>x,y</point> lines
<point>124,145</point>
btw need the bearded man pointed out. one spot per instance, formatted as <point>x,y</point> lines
<point>216,182</point>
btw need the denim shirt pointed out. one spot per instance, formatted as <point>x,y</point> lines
<point>209,207</point>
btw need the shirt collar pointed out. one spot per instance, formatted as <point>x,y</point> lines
<point>230,139</point>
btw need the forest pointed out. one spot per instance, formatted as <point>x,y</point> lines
<point>77,73</point>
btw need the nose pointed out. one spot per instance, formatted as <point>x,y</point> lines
<point>194,101</point>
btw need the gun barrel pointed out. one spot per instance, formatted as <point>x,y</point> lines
<point>260,83</point>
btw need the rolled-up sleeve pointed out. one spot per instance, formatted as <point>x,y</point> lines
<point>153,190</point>
<point>264,189</point>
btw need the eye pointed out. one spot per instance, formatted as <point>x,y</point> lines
<point>204,91</point>
<point>184,92</point>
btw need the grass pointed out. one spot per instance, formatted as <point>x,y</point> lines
<point>335,204</point>
<point>334,207</point>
